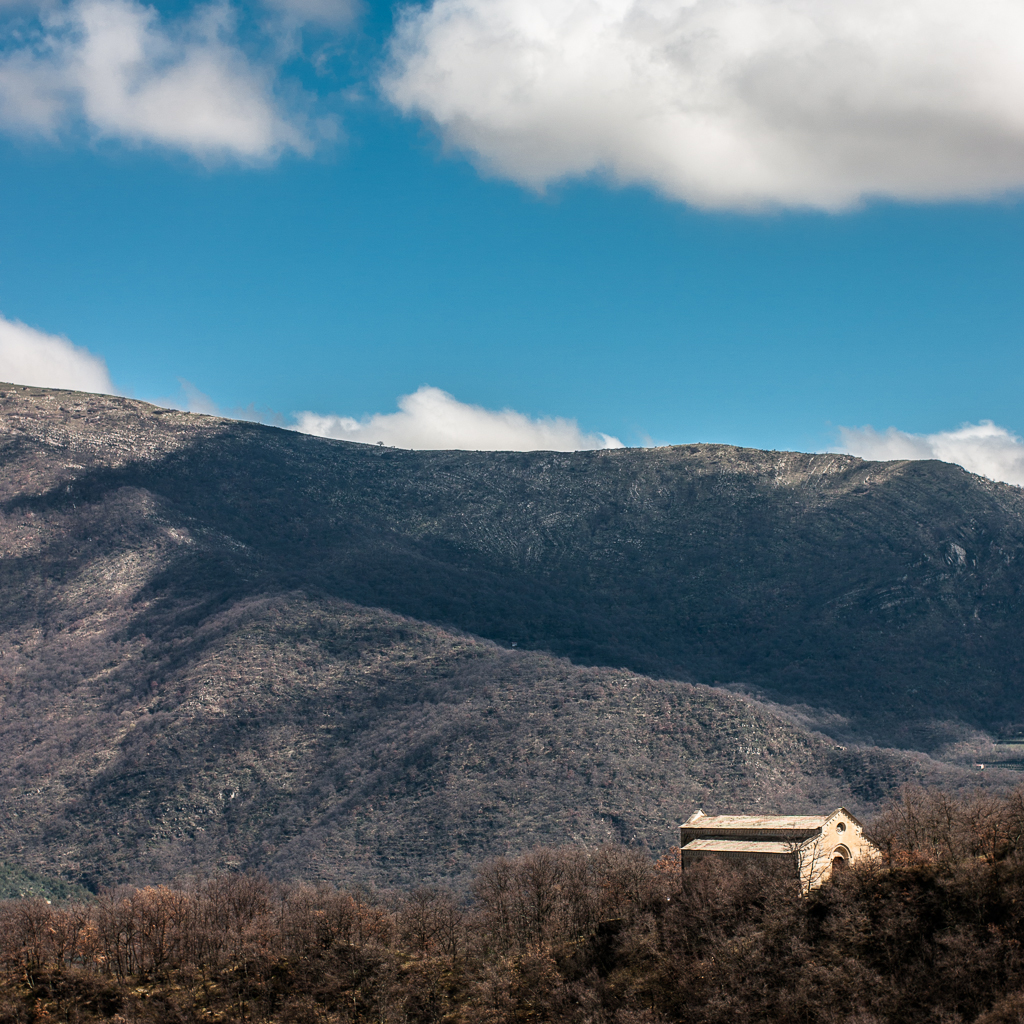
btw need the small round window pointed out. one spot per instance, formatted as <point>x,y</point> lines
<point>841,827</point>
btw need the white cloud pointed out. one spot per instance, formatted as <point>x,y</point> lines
<point>432,419</point>
<point>981,448</point>
<point>334,14</point>
<point>727,103</point>
<point>190,399</point>
<point>28,356</point>
<point>130,76</point>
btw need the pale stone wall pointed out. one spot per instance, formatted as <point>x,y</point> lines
<point>841,836</point>
<point>816,847</point>
<point>692,857</point>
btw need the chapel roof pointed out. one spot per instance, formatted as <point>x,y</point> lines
<point>777,822</point>
<point>736,846</point>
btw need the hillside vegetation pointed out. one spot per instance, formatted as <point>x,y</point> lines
<point>325,741</point>
<point>888,595</point>
<point>17,883</point>
<point>227,645</point>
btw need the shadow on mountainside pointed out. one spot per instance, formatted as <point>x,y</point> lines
<point>216,647</point>
<point>889,594</point>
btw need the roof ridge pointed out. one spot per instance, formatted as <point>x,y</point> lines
<point>766,817</point>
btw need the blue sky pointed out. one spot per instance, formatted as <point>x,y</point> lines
<point>335,275</point>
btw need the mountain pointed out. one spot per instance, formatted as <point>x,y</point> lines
<point>322,740</point>
<point>225,644</point>
<point>888,594</point>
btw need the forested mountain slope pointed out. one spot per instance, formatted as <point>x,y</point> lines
<point>889,593</point>
<point>325,741</point>
<point>216,649</point>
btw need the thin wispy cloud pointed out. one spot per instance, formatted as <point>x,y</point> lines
<point>28,356</point>
<point>982,448</point>
<point>330,14</point>
<point>124,72</point>
<point>432,419</point>
<point>726,103</point>
<point>189,399</point>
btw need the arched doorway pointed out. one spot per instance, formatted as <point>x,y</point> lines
<point>840,859</point>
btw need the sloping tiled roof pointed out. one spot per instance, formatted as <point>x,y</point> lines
<point>766,821</point>
<point>736,846</point>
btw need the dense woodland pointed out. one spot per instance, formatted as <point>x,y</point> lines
<point>932,932</point>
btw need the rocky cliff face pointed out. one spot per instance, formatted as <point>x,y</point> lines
<point>222,643</point>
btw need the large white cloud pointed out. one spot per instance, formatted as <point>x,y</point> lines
<point>432,419</point>
<point>132,76</point>
<point>982,448</point>
<point>28,356</point>
<point>727,103</point>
